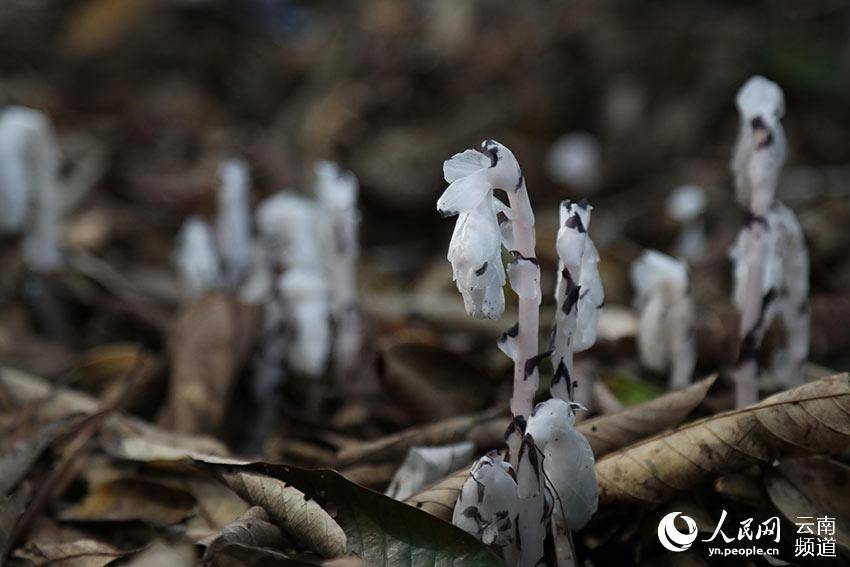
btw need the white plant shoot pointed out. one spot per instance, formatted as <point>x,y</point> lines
<point>196,258</point>
<point>29,185</point>
<point>686,205</point>
<point>756,165</point>
<point>336,191</point>
<point>233,223</point>
<point>666,328</point>
<point>578,297</point>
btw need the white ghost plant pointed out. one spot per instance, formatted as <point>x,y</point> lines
<point>666,326</point>
<point>756,165</point>
<point>233,223</point>
<point>686,205</point>
<point>336,191</point>
<point>196,258</point>
<point>426,465</point>
<point>29,185</point>
<point>509,503</point>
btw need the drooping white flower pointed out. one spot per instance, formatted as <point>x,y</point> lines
<point>336,191</point>
<point>233,223</point>
<point>29,186</point>
<point>196,258</point>
<point>426,465</point>
<point>686,205</point>
<point>475,250</point>
<point>665,331</point>
<point>287,223</point>
<point>574,160</point>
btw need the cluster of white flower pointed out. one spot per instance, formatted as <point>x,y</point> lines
<point>550,475</point>
<point>286,268</point>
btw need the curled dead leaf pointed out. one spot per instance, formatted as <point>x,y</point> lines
<point>303,519</point>
<point>251,529</point>
<point>80,553</point>
<point>813,418</point>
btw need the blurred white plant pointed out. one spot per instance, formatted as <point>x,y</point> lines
<point>336,191</point>
<point>756,165</point>
<point>785,286</point>
<point>686,205</point>
<point>196,258</point>
<point>29,185</point>
<point>578,299</point>
<point>233,223</point>
<point>426,465</point>
<point>666,329</point>
<point>574,160</point>
<point>288,228</point>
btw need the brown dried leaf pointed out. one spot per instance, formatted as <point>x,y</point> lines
<point>12,507</point>
<point>302,519</point>
<point>252,529</point>
<point>816,486</point>
<point>814,418</point>
<point>80,553</point>
<point>205,348</point>
<point>98,24</point>
<point>16,461</point>
<point>610,432</point>
<point>105,370</point>
<point>129,499</point>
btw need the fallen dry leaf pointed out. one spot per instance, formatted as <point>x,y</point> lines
<point>162,554</point>
<point>16,461</point>
<point>812,486</point>
<point>205,347</point>
<point>129,499</point>
<point>610,432</point>
<point>251,529</point>
<point>80,553</point>
<point>303,519</point>
<point>12,507</point>
<point>813,418</point>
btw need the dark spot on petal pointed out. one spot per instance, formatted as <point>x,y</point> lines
<point>480,271</point>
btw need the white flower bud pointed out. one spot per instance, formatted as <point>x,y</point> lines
<point>196,258</point>
<point>488,502</point>
<point>665,330</point>
<point>686,205</point>
<point>305,294</point>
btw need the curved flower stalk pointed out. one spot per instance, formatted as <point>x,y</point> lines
<point>475,252</point>
<point>686,205</point>
<point>756,164</point>
<point>665,332</point>
<point>578,297</point>
<point>196,258</point>
<point>287,224</point>
<point>337,195</point>
<point>29,185</point>
<point>233,223</point>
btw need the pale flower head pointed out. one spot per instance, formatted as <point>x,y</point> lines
<point>575,161</point>
<point>475,250</point>
<point>196,258</point>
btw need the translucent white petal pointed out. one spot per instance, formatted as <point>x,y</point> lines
<point>463,164</point>
<point>569,465</point>
<point>464,194</point>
